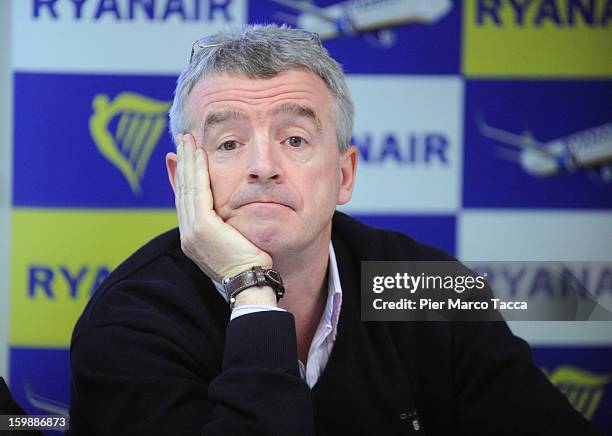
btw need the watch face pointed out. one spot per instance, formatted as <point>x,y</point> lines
<point>274,276</point>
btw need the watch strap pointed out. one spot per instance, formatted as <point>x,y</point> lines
<point>256,276</point>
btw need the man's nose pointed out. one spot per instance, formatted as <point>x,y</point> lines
<point>264,165</point>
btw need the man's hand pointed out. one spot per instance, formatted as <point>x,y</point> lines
<point>219,249</point>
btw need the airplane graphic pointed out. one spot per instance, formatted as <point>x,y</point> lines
<point>587,150</point>
<point>47,404</point>
<point>374,18</point>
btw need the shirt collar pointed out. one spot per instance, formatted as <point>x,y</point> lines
<point>334,296</point>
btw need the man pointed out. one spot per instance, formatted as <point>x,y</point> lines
<point>191,336</point>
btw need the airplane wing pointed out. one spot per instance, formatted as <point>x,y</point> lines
<point>307,8</point>
<point>46,404</point>
<point>511,138</point>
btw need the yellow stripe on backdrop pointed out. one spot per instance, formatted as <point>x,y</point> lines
<point>58,258</point>
<point>550,38</point>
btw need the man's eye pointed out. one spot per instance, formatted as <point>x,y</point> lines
<point>296,141</point>
<point>229,145</point>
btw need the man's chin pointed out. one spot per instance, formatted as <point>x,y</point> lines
<point>268,234</point>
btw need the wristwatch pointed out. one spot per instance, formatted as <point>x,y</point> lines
<point>256,276</point>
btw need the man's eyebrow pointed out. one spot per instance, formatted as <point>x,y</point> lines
<point>215,118</point>
<point>298,110</point>
<point>218,117</point>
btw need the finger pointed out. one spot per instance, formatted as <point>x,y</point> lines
<point>203,192</point>
<point>189,157</point>
<point>180,186</point>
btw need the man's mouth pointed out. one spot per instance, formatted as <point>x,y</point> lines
<point>264,203</point>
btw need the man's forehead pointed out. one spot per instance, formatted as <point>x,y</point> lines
<point>294,84</point>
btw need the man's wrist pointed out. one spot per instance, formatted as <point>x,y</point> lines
<point>260,287</point>
<point>261,295</point>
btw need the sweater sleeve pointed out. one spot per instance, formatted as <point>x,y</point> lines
<point>137,379</point>
<point>500,391</point>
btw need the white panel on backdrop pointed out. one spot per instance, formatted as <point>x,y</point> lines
<point>528,235</point>
<point>563,333</point>
<point>115,35</point>
<point>408,130</point>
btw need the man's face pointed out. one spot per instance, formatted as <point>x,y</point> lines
<point>275,169</point>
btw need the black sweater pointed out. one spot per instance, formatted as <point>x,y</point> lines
<point>154,354</point>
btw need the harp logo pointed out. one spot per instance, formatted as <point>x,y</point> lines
<point>126,131</point>
<point>583,389</point>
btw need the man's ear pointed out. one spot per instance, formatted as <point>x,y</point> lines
<point>348,171</point>
<point>171,164</point>
<point>171,168</point>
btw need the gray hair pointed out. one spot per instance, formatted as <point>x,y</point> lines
<point>263,51</point>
